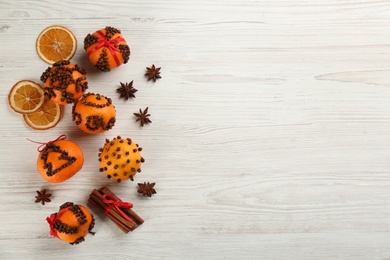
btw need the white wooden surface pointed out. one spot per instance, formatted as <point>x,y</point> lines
<point>270,136</point>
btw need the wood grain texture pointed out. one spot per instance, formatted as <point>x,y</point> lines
<point>269,138</point>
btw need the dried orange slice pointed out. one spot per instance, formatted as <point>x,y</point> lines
<point>47,116</point>
<point>26,96</point>
<point>56,43</point>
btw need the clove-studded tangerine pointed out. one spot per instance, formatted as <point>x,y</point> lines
<point>107,49</point>
<point>94,113</point>
<point>71,223</point>
<point>120,159</point>
<point>59,160</point>
<point>64,82</point>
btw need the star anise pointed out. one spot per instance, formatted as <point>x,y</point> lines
<point>42,197</point>
<point>153,73</point>
<point>126,90</point>
<point>143,116</point>
<point>147,189</point>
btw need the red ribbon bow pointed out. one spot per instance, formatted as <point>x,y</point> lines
<point>53,219</point>
<point>43,145</point>
<point>117,204</point>
<point>110,45</point>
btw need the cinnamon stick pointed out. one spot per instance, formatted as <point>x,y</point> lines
<point>110,193</point>
<point>126,225</point>
<point>116,221</point>
<point>129,212</point>
<point>113,214</point>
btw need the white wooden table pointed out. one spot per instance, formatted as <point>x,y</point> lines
<point>270,136</point>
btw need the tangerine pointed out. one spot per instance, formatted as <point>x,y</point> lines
<point>59,160</point>
<point>71,223</point>
<point>120,159</point>
<point>107,49</point>
<point>94,113</point>
<point>64,82</point>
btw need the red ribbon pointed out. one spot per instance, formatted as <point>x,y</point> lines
<point>53,219</point>
<point>117,204</point>
<point>110,45</point>
<point>43,145</point>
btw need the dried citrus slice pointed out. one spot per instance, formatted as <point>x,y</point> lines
<point>47,116</point>
<point>26,96</point>
<point>56,43</point>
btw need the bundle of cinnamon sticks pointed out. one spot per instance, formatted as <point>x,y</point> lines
<point>126,224</point>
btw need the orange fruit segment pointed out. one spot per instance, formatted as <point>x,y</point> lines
<point>47,116</point>
<point>56,43</point>
<point>26,96</point>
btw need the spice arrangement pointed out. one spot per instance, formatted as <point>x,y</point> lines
<point>65,83</point>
